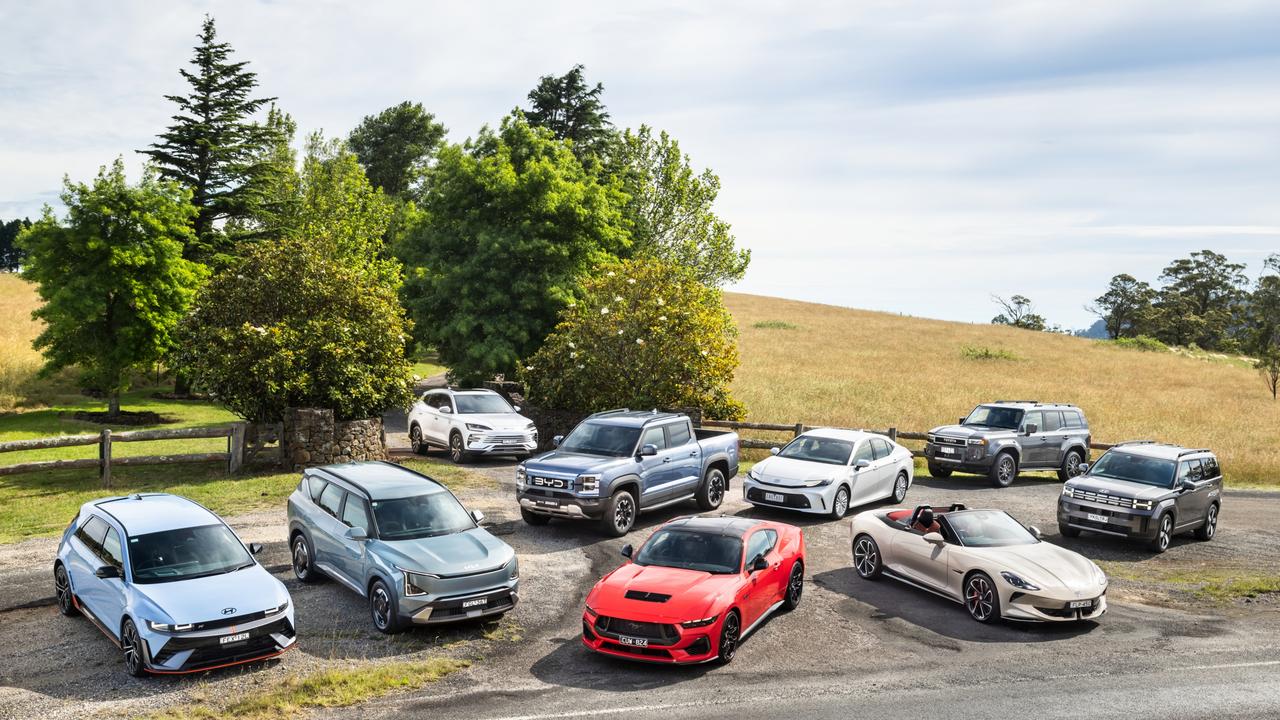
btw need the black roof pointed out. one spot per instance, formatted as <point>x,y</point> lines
<point>725,525</point>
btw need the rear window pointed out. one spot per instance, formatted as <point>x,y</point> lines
<point>315,486</point>
<point>1072,419</point>
<point>679,433</point>
<point>331,499</point>
<point>1211,469</point>
<point>881,448</point>
<point>1052,420</point>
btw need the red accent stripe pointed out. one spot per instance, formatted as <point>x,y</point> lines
<point>226,665</point>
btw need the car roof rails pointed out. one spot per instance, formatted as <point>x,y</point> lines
<point>614,411</point>
<point>1012,402</point>
<point>1137,442</point>
<point>1194,451</point>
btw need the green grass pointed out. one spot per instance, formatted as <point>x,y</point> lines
<point>292,697</point>
<point>1222,585</point>
<point>982,352</point>
<point>775,325</point>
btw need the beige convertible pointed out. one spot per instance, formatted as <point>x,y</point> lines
<point>984,559</point>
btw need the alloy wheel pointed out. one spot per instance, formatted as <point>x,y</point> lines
<point>624,512</point>
<point>62,588</point>
<point>979,598</point>
<point>729,637</point>
<point>455,448</point>
<point>1005,470</point>
<point>865,557</point>
<point>381,604</point>
<point>301,558</point>
<point>415,439</point>
<point>131,644</point>
<point>1211,522</point>
<point>841,505</point>
<point>900,489</point>
<point>1166,531</point>
<point>715,493</point>
<point>795,588</point>
<point>1073,464</point>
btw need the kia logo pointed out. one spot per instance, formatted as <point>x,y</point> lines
<point>228,611</point>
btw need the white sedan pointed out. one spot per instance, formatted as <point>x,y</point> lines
<point>825,471</point>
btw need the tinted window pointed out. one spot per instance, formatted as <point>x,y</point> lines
<point>881,448</point>
<point>316,486</point>
<point>761,543</point>
<point>92,532</point>
<point>421,516</point>
<point>355,513</point>
<point>692,551</point>
<point>111,552</point>
<point>599,439</point>
<point>186,553</point>
<point>654,436</point>
<point>1052,420</point>
<point>1190,470</point>
<point>482,403</point>
<point>1032,418</point>
<point>331,499</point>
<point>678,434</point>
<point>818,449</point>
<point>1211,469</point>
<point>997,417</point>
<point>1072,419</point>
<point>864,452</point>
<point>1120,465</point>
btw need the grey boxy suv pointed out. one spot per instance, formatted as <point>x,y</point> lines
<point>1002,438</point>
<point>1145,490</point>
<point>403,541</point>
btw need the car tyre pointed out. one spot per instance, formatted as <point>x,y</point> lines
<point>1067,531</point>
<point>1004,470</point>
<point>867,561</point>
<point>795,587</point>
<point>131,647</point>
<point>1070,465</point>
<point>533,518</point>
<point>1210,526</point>
<point>900,485</point>
<point>939,472</point>
<point>1164,534</point>
<point>619,514</point>
<point>457,450</point>
<point>416,443</point>
<point>384,608</point>
<point>711,492</point>
<point>981,598</point>
<point>302,558</point>
<point>730,635</point>
<point>62,590</point>
<point>840,504</point>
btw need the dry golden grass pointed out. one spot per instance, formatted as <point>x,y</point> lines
<point>19,362</point>
<point>856,368</point>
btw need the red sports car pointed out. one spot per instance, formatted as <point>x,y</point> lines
<point>695,589</point>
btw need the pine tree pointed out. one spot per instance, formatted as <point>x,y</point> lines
<point>213,147</point>
<point>572,110</point>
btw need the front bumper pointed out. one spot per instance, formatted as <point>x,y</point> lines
<point>1107,519</point>
<point>800,499</point>
<point>453,599</point>
<point>966,458</point>
<point>189,652</point>
<point>673,645</point>
<point>501,443</point>
<point>559,504</point>
<point>1053,607</point>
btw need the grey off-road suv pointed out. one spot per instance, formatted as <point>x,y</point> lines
<point>1145,490</point>
<point>1002,438</point>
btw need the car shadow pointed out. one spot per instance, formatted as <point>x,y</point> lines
<point>571,664</point>
<point>887,599</point>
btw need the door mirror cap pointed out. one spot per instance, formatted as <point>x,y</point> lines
<point>477,516</point>
<point>627,550</point>
<point>774,450</point>
<point>648,450</point>
<point>356,533</point>
<point>862,464</point>
<point>255,548</point>
<point>1187,485</point>
<point>446,410</point>
<point>934,538</point>
<point>1032,428</point>
<point>961,420</point>
<point>1084,468</point>
<point>759,564</point>
<point>516,408</point>
<point>555,441</point>
<point>1035,531</point>
<point>107,571</point>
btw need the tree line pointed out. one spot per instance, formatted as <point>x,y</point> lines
<point>271,275</point>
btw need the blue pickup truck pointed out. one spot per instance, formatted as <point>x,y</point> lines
<point>619,463</point>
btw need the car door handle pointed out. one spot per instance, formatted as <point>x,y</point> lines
<point>693,454</point>
<point>666,460</point>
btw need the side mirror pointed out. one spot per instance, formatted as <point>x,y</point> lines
<point>627,550</point>
<point>516,408</point>
<point>961,420</point>
<point>648,450</point>
<point>1035,531</point>
<point>862,464</point>
<point>774,450</point>
<point>356,533</point>
<point>255,548</point>
<point>477,516</point>
<point>446,409</point>
<point>1187,485</point>
<point>1032,428</point>
<point>555,441</point>
<point>934,538</point>
<point>107,571</point>
<point>1084,468</point>
<point>759,564</point>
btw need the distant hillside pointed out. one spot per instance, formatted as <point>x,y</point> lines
<point>828,365</point>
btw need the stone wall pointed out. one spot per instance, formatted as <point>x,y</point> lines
<point>313,437</point>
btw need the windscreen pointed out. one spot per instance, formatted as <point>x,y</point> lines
<point>599,439</point>
<point>186,553</point>
<point>481,403</point>
<point>996,417</point>
<point>688,550</point>
<point>988,528</point>
<point>1134,468</point>
<point>420,516</point>
<point>818,449</point>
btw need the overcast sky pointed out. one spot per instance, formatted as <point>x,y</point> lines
<point>914,157</point>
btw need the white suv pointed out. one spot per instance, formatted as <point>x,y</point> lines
<point>469,423</point>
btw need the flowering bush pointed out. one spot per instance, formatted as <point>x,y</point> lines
<point>643,334</point>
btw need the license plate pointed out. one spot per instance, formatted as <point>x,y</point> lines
<point>633,642</point>
<point>510,441</point>
<point>228,639</point>
<point>775,497</point>
<point>547,503</point>
<point>475,603</point>
<point>947,450</point>
<point>1096,518</point>
<point>1077,604</point>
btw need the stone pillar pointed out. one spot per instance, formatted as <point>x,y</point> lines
<point>313,437</point>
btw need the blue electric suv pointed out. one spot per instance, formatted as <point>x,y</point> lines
<point>171,585</point>
<point>401,540</point>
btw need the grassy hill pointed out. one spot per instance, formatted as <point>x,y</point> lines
<point>828,365</point>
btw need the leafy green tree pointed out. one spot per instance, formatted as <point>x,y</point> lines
<point>1269,365</point>
<point>510,222</point>
<point>644,334</point>
<point>396,145</point>
<point>112,277</point>
<point>1018,311</point>
<point>1125,307</point>
<point>1264,309</point>
<point>670,208</point>
<point>213,147</point>
<point>572,110</point>
<point>1174,320</point>
<point>10,254</point>
<point>299,323</point>
<point>1209,287</point>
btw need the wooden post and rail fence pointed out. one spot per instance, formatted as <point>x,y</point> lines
<point>795,429</point>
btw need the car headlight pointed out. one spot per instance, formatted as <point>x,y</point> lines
<point>474,426</point>
<point>699,623</point>
<point>819,483</point>
<point>416,583</point>
<point>977,441</point>
<point>588,484</point>
<point>532,427</point>
<point>278,609</point>
<point>591,611</point>
<point>1099,575</point>
<point>169,627</point>
<point>1142,504</point>
<point>753,474</point>
<point>520,477</point>
<point>1068,490</point>
<point>1018,582</point>
<point>513,568</point>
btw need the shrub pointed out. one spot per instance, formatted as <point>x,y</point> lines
<point>296,324</point>
<point>645,334</point>
<point>982,352</point>
<point>775,325</point>
<point>1142,343</point>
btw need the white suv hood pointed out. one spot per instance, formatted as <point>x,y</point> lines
<point>497,421</point>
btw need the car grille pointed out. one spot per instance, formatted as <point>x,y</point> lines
<point>1102,498</point>
<point>506,438</point>
<point>613,627</point>
<point>788,500</point>
<point>944,440</point>
<point>229,621</point>
<point>209,652</point>
<point>549,482</point>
